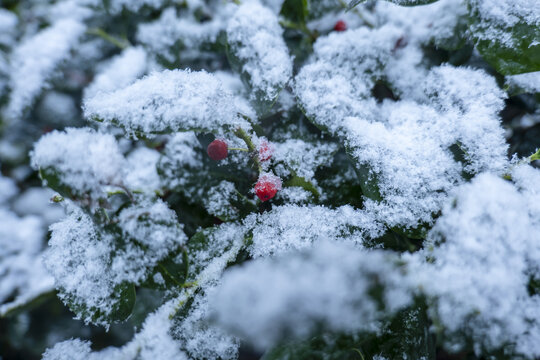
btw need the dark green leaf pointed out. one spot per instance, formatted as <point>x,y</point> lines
<point>123,300</point>
<point>174,271</point>
<point>303,183</point>
<point>52,178</point>
<point>295,10</point>
<point>510,50</point>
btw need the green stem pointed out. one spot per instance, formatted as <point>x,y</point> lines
<point>122,44</point>
<point>527,160</point>
<point>355,10</point>
<point>242,134</point>
<point>535,156</point>
<point>239,149</point>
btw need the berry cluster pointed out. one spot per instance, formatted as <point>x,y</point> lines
<point>268,184</point>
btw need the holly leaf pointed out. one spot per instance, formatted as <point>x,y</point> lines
<point>53,180</point>
<point>122,303</point>
<point>296,11</point>
<point>169,273</point>
<point>303,183</point>
<point>510,48</point>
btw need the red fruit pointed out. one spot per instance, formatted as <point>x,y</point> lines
<point>340,26</point>
<point>267,186</point>
<point>265,150</point>
<point>217,150</point>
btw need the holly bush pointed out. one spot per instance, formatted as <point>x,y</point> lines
<point>273,179</point>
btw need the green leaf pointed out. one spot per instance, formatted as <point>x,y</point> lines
<point>303,183</point>
<point>52,178</point>
<point>369,182</point>
<point>260,103</point>
<point>405,336</point>
<point>417,233</point>
<point>296,11</point>
<point>16,308</point>
<point>174,271</point>
<point>122,299</point>
<point>510,50</point>
<point>353,3</point>
<point>370,188</point>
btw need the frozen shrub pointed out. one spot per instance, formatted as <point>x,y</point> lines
<point>288,179</point>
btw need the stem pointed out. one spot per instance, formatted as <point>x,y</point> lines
<point>368,23</point>
<point>242,134</point>
<point>239,149</point>
<point>535,156</point>
<point>527,160</point>
<point>122,44</point>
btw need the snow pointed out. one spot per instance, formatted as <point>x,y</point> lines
<point>341,75</point>
<point>509,12</point>
<point>153,341</point>
<point>116,6</point>
<point>35,60</point>
<point>426,167</point>
<point>291,296</point>
<point>218,201</point>
<point>37,201</point>
<point>8,23</point>
<point>141,170</point>
<point>302,158</point>
<point>83,160</point>
<point>89,263</point>
<point>122,70</point>
<point>183,28</point>
<point>293,227</point>
<point>255,38</point>
<point>484,247</point>
<point>201,340</point>
<point>182,157</point>
<point>21,269</point>
<point>529,82</point>
<point>171,100</point>
<point>395,143</point>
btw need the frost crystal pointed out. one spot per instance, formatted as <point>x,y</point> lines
<point>81,159</point>
<point>90,265</point>
<point>484,247</point>
<point>444,120</point>
<point>34,61</point>
<point>183,29</point>
<point>21,270</point>
<point>201,340</point>
<point>256,41</point>
<point>505,14</point>
<point>291,227</point>
<point>120,72</point>
<point>302,157</point>
<point>141,170</point>
<point>290,296</point>
<point>168,101</point>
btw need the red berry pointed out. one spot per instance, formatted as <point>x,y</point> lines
<point>217,150</point>
<point>340,26</point>
<point>267,186</point>
<point>265,150</point>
